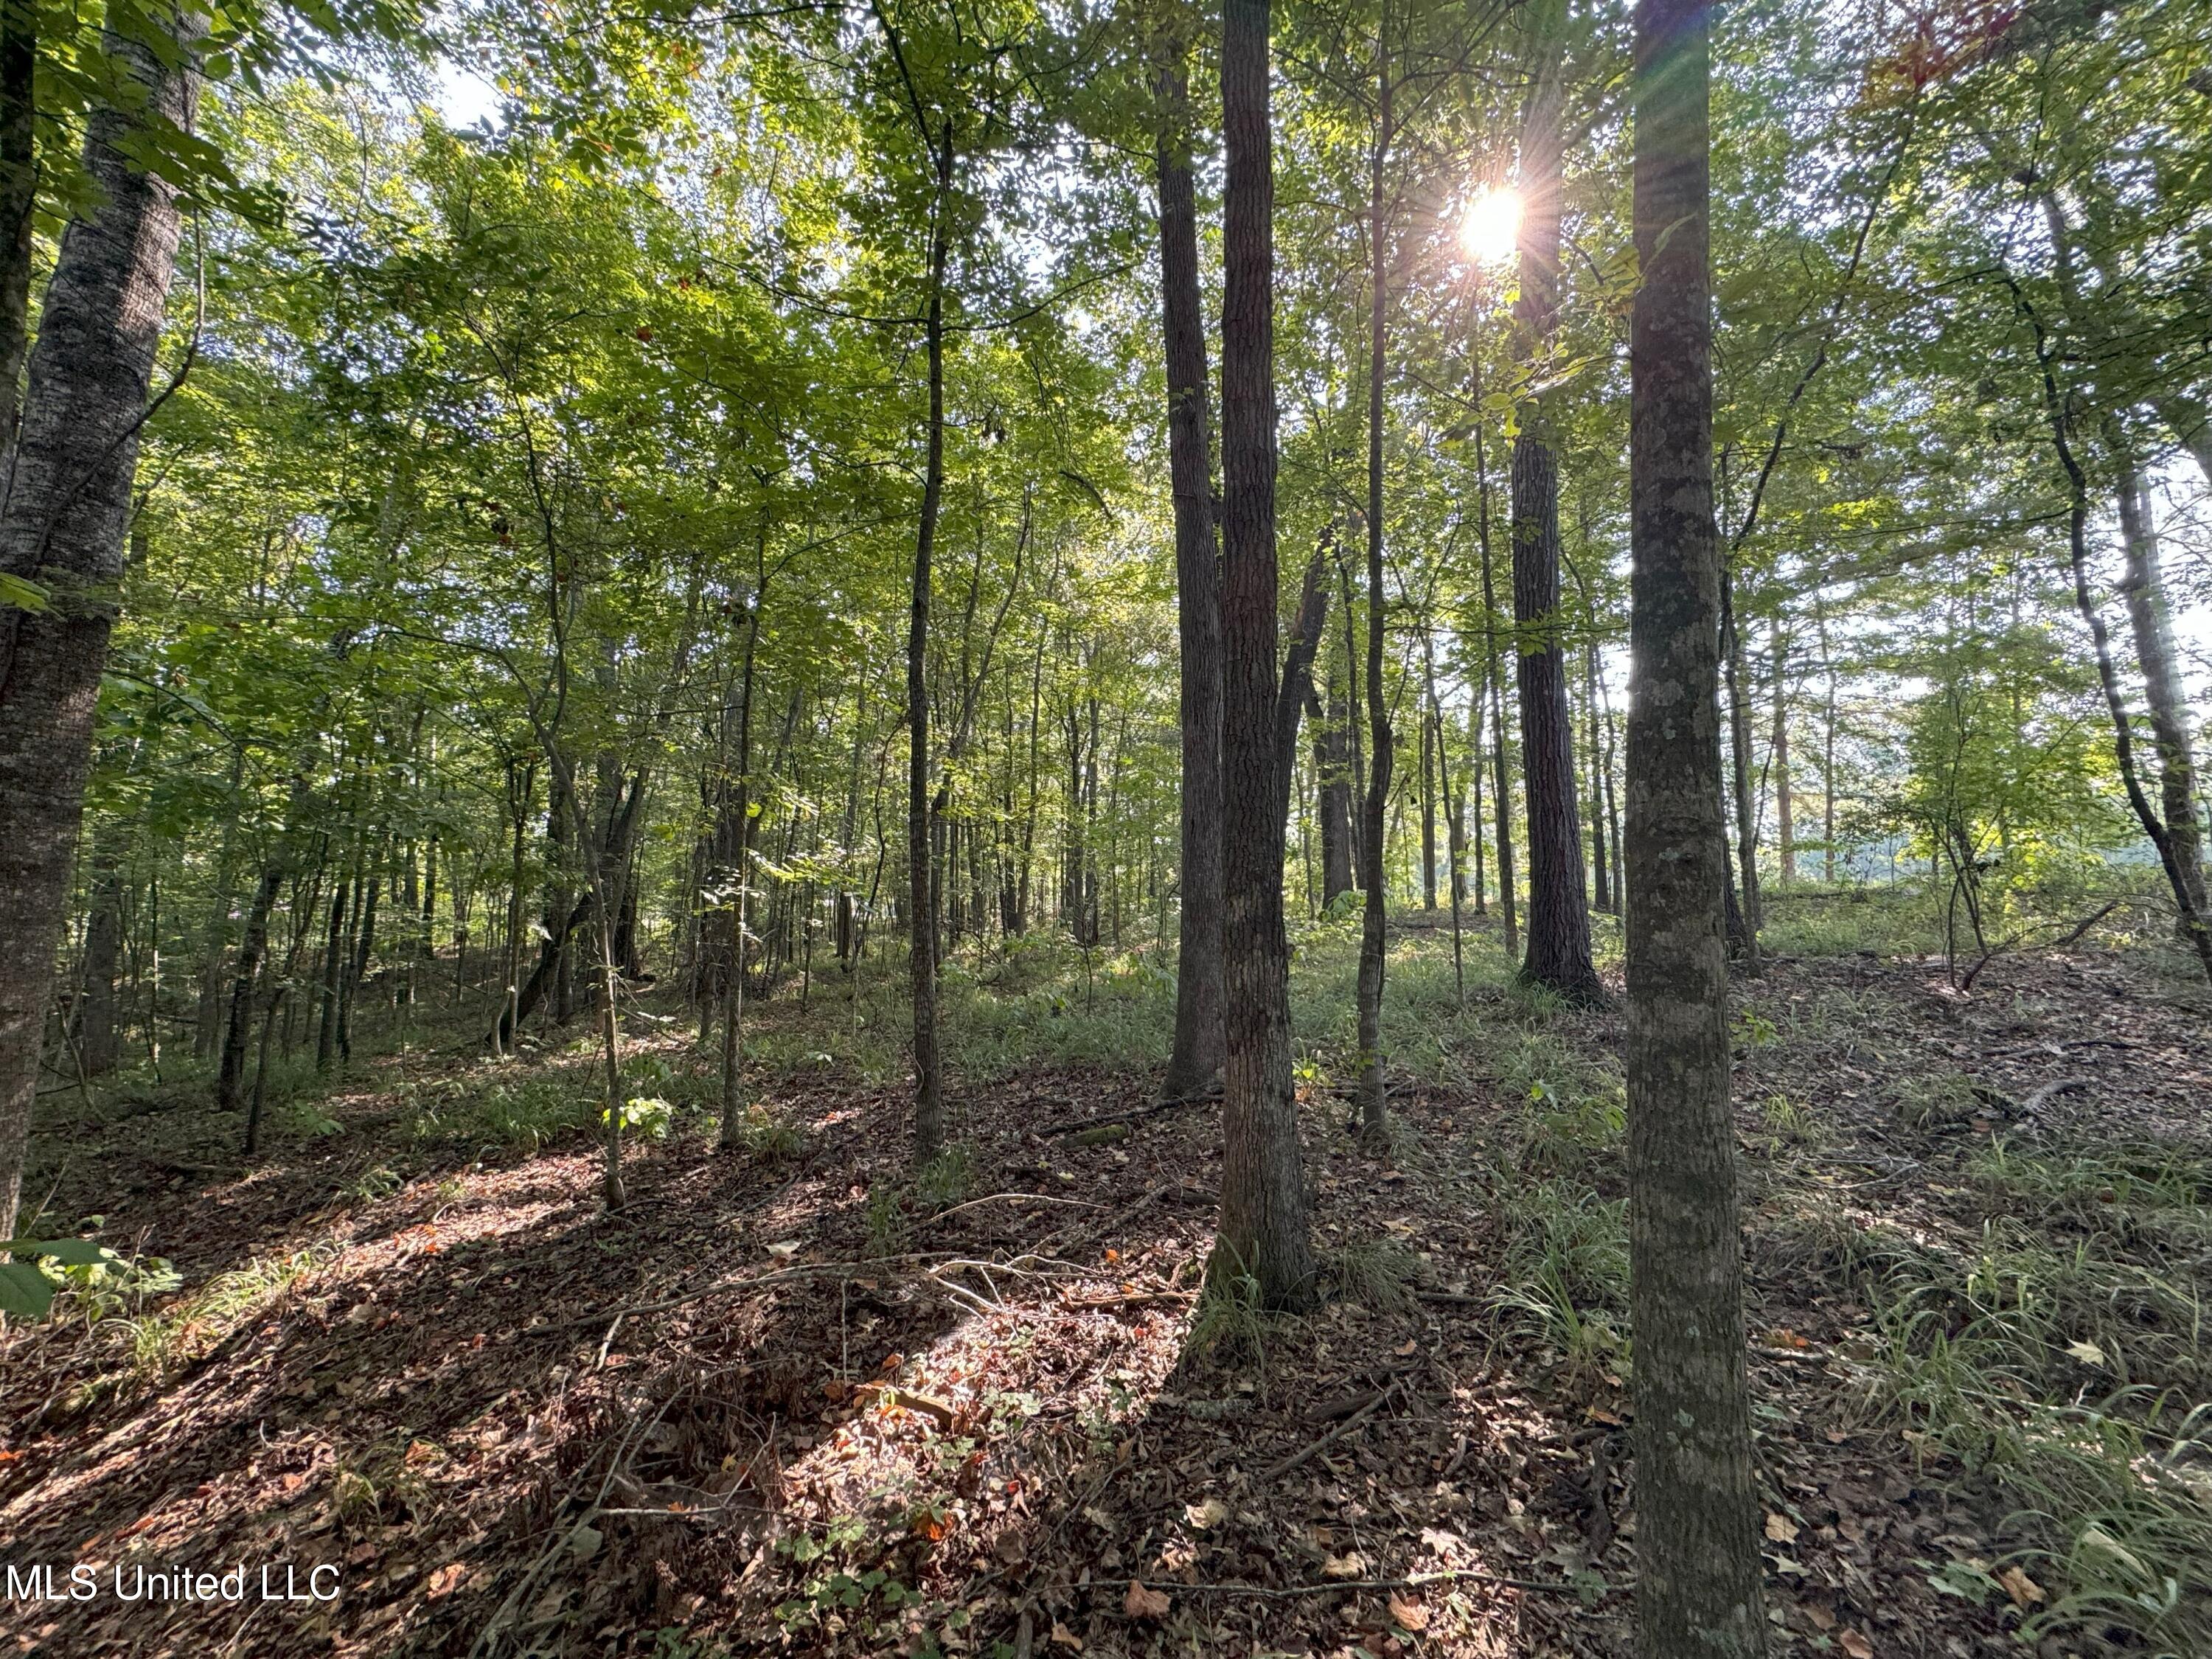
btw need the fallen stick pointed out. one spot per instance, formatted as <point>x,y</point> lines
<point>1276,1470</point>
<point>1415,1580</point>
<point>1069,1126</point>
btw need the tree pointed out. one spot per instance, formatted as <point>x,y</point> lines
<point>1698,1592</point>
<point>1264,1234</point>
<point>1559,903</point>
<point>1194,1062</point>
<point>62,534</point>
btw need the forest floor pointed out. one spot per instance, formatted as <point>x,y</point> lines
<point>795,1398</point>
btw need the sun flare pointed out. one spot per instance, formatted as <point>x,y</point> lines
<point>1490,229</point>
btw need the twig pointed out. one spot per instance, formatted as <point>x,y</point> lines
<point>1446,1575</point>
<point>1275,1470</point>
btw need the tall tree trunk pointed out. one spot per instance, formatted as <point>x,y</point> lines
<point>1698,1567</point>
<point>68,503</point>
<point>739,872</point>
<point>1493,692</point>
<point>327,1039</point>
<point>1428,807</point>
<point>1264,1234</point>
<point>1374,920</point>
<point>2152,621</point>
<point>1601,882</point>
<point>98,1049</point>
<point>19,197</point>
<point>1332,752</point>
<point>921,966</point>
<point>1195,1058</point>
<point>230,1075</point>
<point>1558,903</point>
<point>1747,798</point>
<point>207,1020</point>
<point>1785,822</point>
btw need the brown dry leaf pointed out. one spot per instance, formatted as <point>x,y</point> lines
<point>1066,1638</point>
<point>446,1579</point>
<point>1343,1566</point>
<point>1142,1603</point>
<point>1855,1645</point>
<point>1201,1517</point>
<point>1820,1617</point>
<point>1781,1528</point>
<point>1410,1616</point>
<point>2025,1591</point>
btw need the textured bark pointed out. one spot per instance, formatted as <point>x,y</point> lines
<point>1785,822</point>
<point>19,194</point>
<point>68,503</point>
<point>1374,917</point>
<point>1194,1061</point>
<point>1493,692</point>
<point>1559,903</point>
<point>1600,875</point>
<point>1264,1233</point>
<point>230,1074</point>
<point>1744,942</point>
<point>2151,619</point>
<point>1331,751</point>
<point>1428,810</point>
<point>97,1050</point>
<point>1698,1567</point>
<point>921,953</point>
<point>734,842</point>
<point>327,1037</point>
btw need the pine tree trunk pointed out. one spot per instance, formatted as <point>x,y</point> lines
<point>1194,1060</point>
<point>1698,1565</point>
<point>1264,1234</point>
<point>68,503</point>
<point>1558,904</point>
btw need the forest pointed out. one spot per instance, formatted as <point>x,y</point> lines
<point>1003,829</point>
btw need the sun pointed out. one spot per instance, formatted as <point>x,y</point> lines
<point>1490,229</point>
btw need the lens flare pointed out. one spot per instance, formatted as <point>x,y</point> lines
<point>1490,229</point>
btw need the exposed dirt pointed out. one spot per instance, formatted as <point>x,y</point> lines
<point>768,1408</point>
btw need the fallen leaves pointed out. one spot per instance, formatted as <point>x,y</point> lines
<point>2025,1593</point>
<point>1141,1603</point>
<point>1854,1644</point>
<point>1410,1615</point>
<point>1781,1529</point>
<point>1201,1517</point>
<point>1343,1567</point>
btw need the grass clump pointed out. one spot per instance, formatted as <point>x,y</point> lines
<point>1567,1276</point>
<point>1375,1274</point>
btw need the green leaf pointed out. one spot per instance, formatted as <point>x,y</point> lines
<point>25,1292</point>
<point>74,1252</point>
<point>22,594</point>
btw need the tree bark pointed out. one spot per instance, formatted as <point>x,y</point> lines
<point>1697,1566</point>
<point>1747,801</point>
<point>1493,692</point>
<point>1194,1061</point>
<point>19,197</point>
<point>98,1049</point>
<point>1559,903</point>
<point>68,505</point>
<point>1374,920</point>
<point>921,963</point>
<point>2149,614</point>
<point>1264,1234</point>
<point>1785,824</point>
